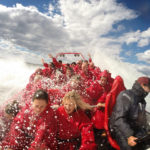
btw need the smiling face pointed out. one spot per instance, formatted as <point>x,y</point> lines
<point>69,105</point>
<point>39,105</point>
<point>103,81</point>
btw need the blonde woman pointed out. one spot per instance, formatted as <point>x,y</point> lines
<point>74,127</point>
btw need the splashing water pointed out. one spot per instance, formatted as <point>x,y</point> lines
<point>14,77</point>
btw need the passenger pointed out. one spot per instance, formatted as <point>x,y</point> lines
<point>128,119</point>
<point>58,64</point>
<point>100,89</point>
<point>34,127</point>
<point>74,125</point>
<point>85,73</point>
<point>95,70</point>
<point>69,73</point>
<point>49,68</point>
<point>90,59</point>
<point>73,64</point>
<point>78,84</point>
<point>10,112</point>
<point>58,78</point>
<point>78,66</point>
<point>37,72</point>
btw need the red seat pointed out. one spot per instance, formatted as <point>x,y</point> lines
<point>117,87</point>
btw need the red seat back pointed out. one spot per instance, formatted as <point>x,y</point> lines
<point>117,87</point>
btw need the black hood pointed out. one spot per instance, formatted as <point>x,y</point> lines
<point>139,91</point>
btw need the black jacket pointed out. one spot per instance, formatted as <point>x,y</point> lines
<point>128,117</point>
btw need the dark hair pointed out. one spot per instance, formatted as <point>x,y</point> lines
<point>60,61</point>
<point>13,108</point>
<point>69,68</point>
<point>40,94</point>
<point>85,61</point>
<point>144,80</point>
<point>52,65</point>
<point>73,63</point>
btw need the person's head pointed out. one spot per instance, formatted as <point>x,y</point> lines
<point>72,101</point>
<point>104,77</point>
<point>73,64</point>
<point>39,71</point>
<point>75,80</point>
<point>145,83</point>
<point>103,80</point>
<point>39,101</point>
<point>60,61</point>
<point>12,109</point>
<point>69,71</point>
<point>79,63</point>
<point>85,66</point>
<point>37,78</point>
<point>51,65</point>
<point>91,65</point>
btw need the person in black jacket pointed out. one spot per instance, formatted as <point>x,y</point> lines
<point>128,120</point>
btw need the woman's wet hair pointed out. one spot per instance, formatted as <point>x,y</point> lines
<point>40,94</point>
<point>12,108</point>
<point>74,95</point>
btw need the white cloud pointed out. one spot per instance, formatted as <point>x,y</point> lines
<point>130,37</point>
<point>145,69</point>
<point>74,29</point>
<point>144,56</point>
<point>146,33</point>
<point>142,38</point>
<point>27,27</point>
<point>93,19</point>
<point>143,42</point>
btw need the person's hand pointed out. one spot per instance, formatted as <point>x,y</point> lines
<point>100,105</point>
<point>89,55</point>
<point>55,107</point>
<point>42,60</point>
<point>131,141</point>
<point>50,56</point>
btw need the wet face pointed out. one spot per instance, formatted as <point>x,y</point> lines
<point>103,81</point>
<point>69,72</point>
<point>91,65</point>
<point>9,116</point>
<point>39,105</point>
<point>146,88</point>
<point>85,66</point>
<point>69,106</point>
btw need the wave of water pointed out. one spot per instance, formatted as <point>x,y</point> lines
<point>15,73</point>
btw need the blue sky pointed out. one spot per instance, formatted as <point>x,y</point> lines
<point>120,29</point>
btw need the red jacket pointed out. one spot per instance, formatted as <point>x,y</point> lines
<point>87,76</point>
<point>95,71</point>
<point>99,113</point>
<point>72,127</point>
<point>95,90</point>
<point>29,131</point>
<point>4,126</point>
